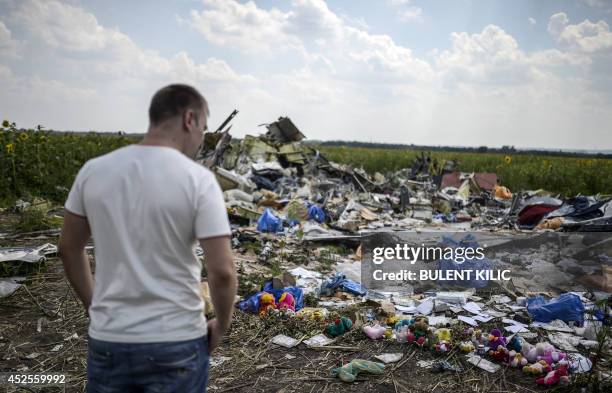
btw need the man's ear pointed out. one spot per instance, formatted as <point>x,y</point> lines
<point>189,119</point>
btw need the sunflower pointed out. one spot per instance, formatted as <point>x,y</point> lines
<point>23,136</point>
<point>508,160</point>
<point>6,124</point>
<point>10,148</point>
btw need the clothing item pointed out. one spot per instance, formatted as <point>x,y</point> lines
<point>180,367</point>
<point>146,206</point>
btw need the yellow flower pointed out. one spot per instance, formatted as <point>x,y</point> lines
<point>508,160</point>
<point>6,124</point>
<point>23,136</point>
<point>10,148</point>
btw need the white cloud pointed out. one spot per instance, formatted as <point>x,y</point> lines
<point>245,26</point>
<point>46,20</point>
<point>557,23</point>
<point>594,3</point>
<point>532,21</point>
<point>111,53</point>
<point>405,11</point>
<point>99,71</point>
<point>411,13</point>
<point>8,46</point>
<point>586,37</point>
<point>310,23</point>
<point>343,78</point>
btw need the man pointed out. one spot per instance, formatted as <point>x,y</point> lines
<point>145,205</point>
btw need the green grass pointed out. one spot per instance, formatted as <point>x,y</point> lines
<point>44,164</point>
<point>565,175</point>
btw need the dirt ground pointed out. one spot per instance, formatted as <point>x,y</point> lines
<point>43,327</point>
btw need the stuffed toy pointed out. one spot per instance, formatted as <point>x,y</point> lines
<point>554,377</point>
<point>286,302</point>
<point>516,359</point>
<point>442,347</point>
<point>496,339</point>
<point>349,371</point>
<point>478,338</point>
<point>266,303</point>
<point>420,326</point>
<point>374,332</point>
<point>529,352</point>
<point>537,368</point>
<point>339,326</point>
<point>402,334</point>
<point>500,354</point>
<point>443,334</point>
<point>553,357</point>
<point>515,343</point>
<point>392,320</point>
<point>442,340</point>
<point>543,348</point>
<point>466,347</point>
<point>420,341</point>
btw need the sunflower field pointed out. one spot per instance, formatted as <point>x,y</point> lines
<point>43,163</point>
<point>565,175</point>
<point>40,163</point>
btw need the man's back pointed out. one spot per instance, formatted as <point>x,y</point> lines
<point>146,206</point>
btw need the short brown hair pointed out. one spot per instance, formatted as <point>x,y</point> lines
<point>173,99</point>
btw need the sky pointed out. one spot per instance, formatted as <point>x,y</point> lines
<point>524,73</point>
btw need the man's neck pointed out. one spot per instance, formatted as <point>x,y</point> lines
<point>157,139</point>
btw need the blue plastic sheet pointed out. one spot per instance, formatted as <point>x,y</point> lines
<point>316,213</point>
<point>268,222</point>
<point>567,307</point>
<point>472,264</point>
<point>252,303</point>
<point>339,281</point>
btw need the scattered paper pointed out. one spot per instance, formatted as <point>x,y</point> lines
<point>426,307</point>
<point>468,320</point>
<point>549,327</point>
<point>289,356</point>
<point>503,299</point>
<point>452,297</point>
<point>389,357</point>
<point>516,329</point>
<point>564,341</point>
<point>218,360</point>
<point>483,317</point>
<point>496,314</point>
<point>425,363</point>
<point>319,340</point>
<point>435,321</point>
<point>285,341</point>
<point>56,348</point>
<point>33,355</point>
<point>406,309</point>
<point>472,308</point>
<point>579,363</point>
<point>482,363</point>
<point>7,287</point>
<point>513,322</point>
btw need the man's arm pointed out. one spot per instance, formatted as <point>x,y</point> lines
<point>74,237</point>
<point>219,264</point>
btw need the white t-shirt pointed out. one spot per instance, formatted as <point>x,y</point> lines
<point>146,207</point>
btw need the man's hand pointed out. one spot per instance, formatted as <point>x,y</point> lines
<point>215,335</point>
<point>74,237</point>
<point>222,282</point>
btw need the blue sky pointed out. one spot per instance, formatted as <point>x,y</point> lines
<point>453,72</point>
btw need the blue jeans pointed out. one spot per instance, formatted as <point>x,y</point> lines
<point>147,368</point>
